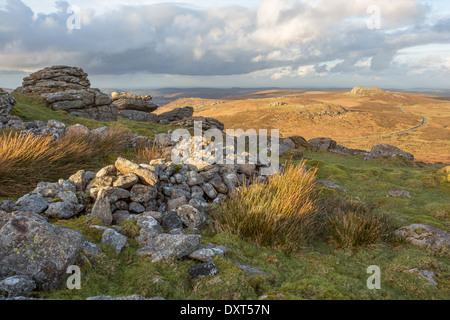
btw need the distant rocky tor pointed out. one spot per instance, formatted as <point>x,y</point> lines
<point>68,89</point>
<point>364,92</point>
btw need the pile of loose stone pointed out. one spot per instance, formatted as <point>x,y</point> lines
<point>169,202</point>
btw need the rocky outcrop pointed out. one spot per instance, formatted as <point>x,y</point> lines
<point>136,108</point>
<point>68,89</point>
<point>176,115</point>
<point>364,92</point>
<point>7,102</point>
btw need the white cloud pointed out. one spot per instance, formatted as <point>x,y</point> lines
<point>276,39</point>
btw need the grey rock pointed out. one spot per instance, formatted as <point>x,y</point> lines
<point>208,269</point>
<point>164,246</point>
<point>171,221</point>
<point>32,203</point>
<point>191,217</point>
<point>388,151</point>
<point>63,210</point>
<point>126,181</point>
<point>17,286</point>
<point>136,207</point>
<point>425,236</point>
<point>102,208</point>
<point>114,239</point>
<point>35,248</point>
<point>142,194</point>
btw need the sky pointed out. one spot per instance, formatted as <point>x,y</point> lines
<point>143,44</point>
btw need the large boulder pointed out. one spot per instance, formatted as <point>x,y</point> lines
<point>176,115</point>
<point>68,89</point>
<point>388,151</point>
<point>126,101</point>
<point>140,116</point>
<point>32,247</point>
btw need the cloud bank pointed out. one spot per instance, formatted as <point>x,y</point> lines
<point>279,39</point>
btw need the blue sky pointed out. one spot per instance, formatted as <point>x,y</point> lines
<point>273,43</point>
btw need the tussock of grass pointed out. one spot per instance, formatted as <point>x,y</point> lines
<point>145,153</point>
<point>278,214</point>
<point>355,229</point>
<point>26,159</point>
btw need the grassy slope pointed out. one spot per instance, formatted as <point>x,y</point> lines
<point>318,272</point>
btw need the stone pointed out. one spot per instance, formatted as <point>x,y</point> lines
<point>206,253</point>
<point>78,129</point>
<point>135,207</point>
<point>79,180</point>
<point>68,196</point>
<point>173,204</point>
<point>426,275</point>
<point>150,228</point>
<point>114,239</point>
<point>191,217</point>
<point>126,181</point>
<point>91,250</point>
<point>102,208</point>
<point>323,143</point>
<point>176,115</point>
<point>208,269</point>
<point>142,194</point>
<point>332,185</point>
<point>164,246</point>
<point>209,190</point>
<point>63,210</point>
<point>17,286</point>
<point>108,171</point>
<point>425,236</point>
<point>399,193</point>
<point>388,151</point>
<point>252,271</point>
<point>32,203</point>
<point>145,175</point>
<point>32,247</point>
<point>171,221</point>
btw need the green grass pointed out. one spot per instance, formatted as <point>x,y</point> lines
<point>318,271</point>
<point>372,180</point>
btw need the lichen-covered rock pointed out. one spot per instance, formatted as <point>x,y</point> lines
<point>133,297</point>
<point>7,102</point>
<point>388,151</point>
<point>114,239</point>
<point>32,203</point>
<point>17,286</point>
<point>145,175</point>
<point>102,208</point>
<point>323,143</point>
<point>176,115</point>
<point>206,253</point>
<point>191,217</point>
<point>208,269</point>
<point>32,247</point>
<point>164,246</point>
<point>425,236</point>
<point>63,210</point>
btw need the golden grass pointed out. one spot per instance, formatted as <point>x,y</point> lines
<point>26,159</point>
<point>279,214</point>
<point>144,153</point>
